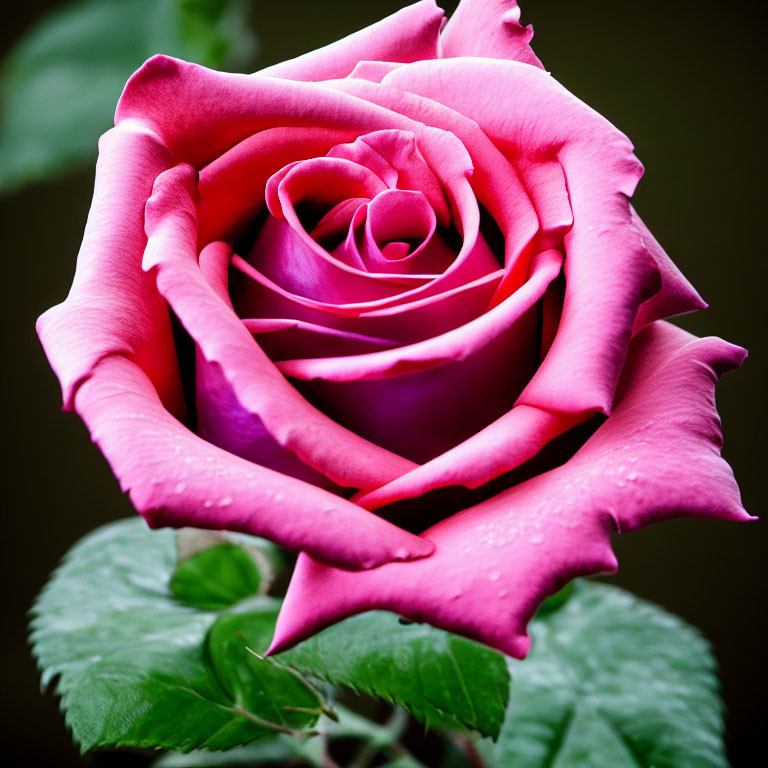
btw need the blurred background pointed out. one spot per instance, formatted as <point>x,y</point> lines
<point>685,80</point>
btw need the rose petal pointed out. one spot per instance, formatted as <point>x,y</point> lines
<point>410,34</point>
<point>656,457</point>
<point>405,323</point>
<point>676,295</point>
<point>488,28</point>
<point>502,446</point>
<point>400,215</point>
<point>345,458</point>
<point>495,181</point>
<point>232,186</point>
<point>200,113</point>
<point>422,399</point>
<point>374,71</point>
<point>305,270</point>
<point>113,307</point>
<point>456,345</point>
<point>396,158</point>
<point>175,478</point>
<point>608,269</point>
<point>282,338</point>
<point>225,423</point>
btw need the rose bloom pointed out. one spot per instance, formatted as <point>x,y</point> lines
<point>388,305</point>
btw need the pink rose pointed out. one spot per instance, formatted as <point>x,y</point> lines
<point>309,299</point>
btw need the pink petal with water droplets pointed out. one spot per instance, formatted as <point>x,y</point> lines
<point>656,457</point>
<point>176,478</point>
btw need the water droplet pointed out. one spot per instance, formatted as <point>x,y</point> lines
<point>180,487</point>
<point>279,496</point>
<point>225,501</point>
<point>503,593</point>
<point>632,476</point>
<point>207,503</point>
<point>494,575</point>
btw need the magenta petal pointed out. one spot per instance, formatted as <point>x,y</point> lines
<point>502,446</point>
<point>488,28</point>
<point>456,345</point>
<point>175,478</point>
<point>406,323</point>
<point>113,307</point>
<point>609,270</point>
<point>411,34</point>
<point>395,156</point>
<point>319,442</point>
<point>656,457</point>
<point>676,295</point>
<point>495,181</point>
<point>232,185</point>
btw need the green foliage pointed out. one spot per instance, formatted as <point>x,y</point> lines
<point>378,741</point>
<point>216,578</point>
<point>62,80</point>
<point>150,652</point>
<point>443,679</point>
<point>134,666</point>
<point>611,682</point>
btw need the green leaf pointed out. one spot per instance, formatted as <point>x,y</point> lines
<point>137,668</point>
<point>611,682</point>
<point>442,679</point>
<point>62,80</point>
<point>281,750</point>
<point>216,578</point>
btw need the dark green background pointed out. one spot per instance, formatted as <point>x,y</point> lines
<point>686,81</point>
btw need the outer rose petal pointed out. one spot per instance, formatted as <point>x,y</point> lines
<point>608,269</point>
<point>410,34</point>
<point>656,457</point>
<point>176,478</point>
<point>113,307</point>
<point>677,295</point>
<point>201,113</point>
<point>488,28</point>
